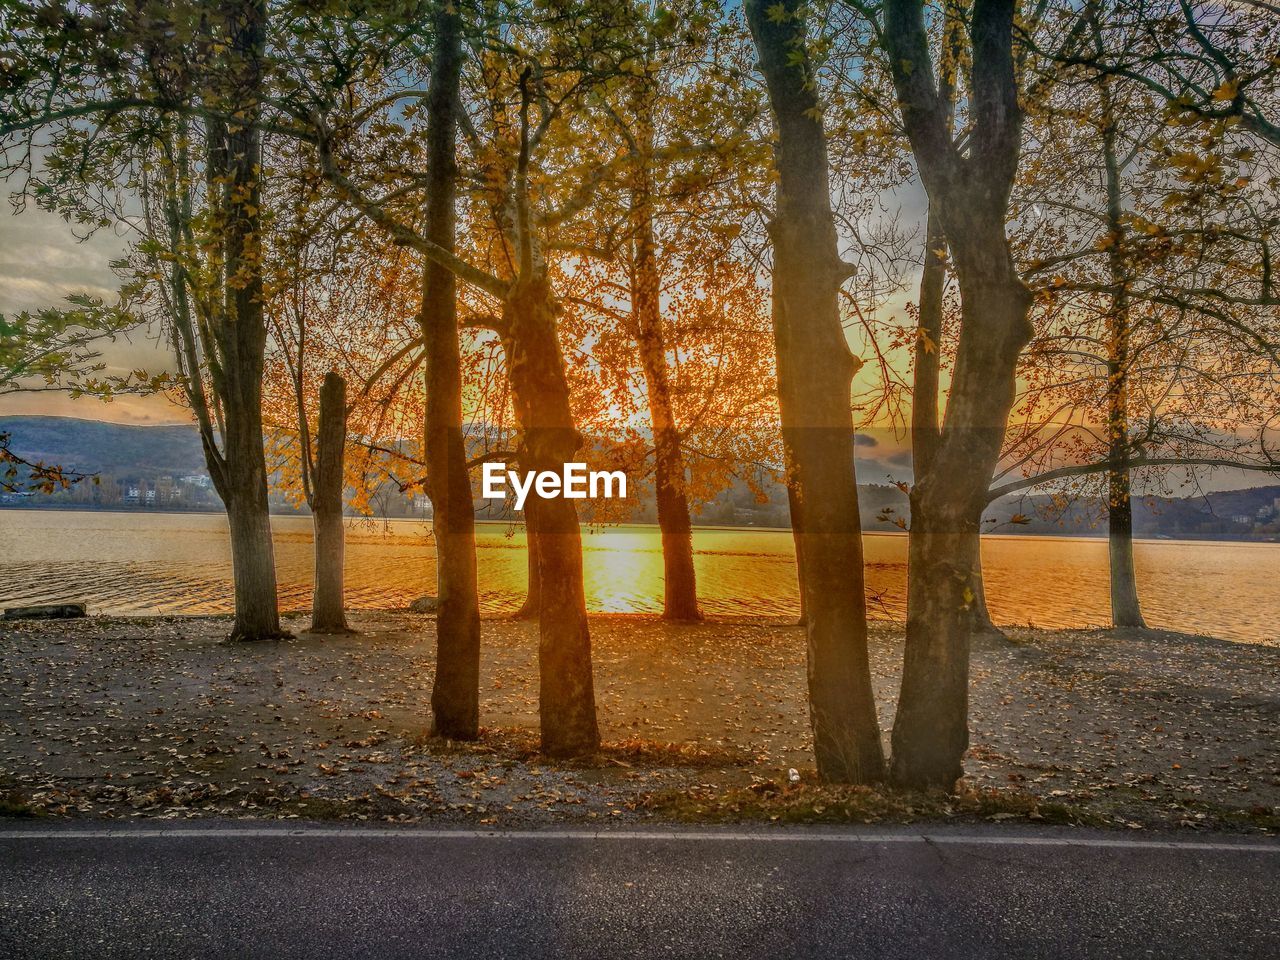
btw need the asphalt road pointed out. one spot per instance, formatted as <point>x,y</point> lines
<point>231,890</point>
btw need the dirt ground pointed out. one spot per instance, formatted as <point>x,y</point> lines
<point>156,717</point>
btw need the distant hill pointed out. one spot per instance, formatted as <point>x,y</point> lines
<point>121,450</point>
<point>1249,514</point>
<point>168,462</point>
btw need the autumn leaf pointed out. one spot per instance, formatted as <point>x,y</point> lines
<point>1227,90</point>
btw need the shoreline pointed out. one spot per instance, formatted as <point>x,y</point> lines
<point>589,527</point>
<point>1013,631</point>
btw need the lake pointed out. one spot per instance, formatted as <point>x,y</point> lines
<point>153,563</point>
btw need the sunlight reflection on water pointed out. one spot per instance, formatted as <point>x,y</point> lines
<point>131,563</point>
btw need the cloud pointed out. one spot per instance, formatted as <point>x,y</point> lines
<point>865,440</point>
<point>41,261</point>
<point>124,409</point>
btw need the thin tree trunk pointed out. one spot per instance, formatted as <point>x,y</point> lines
<point>928,348</point>
<point>533,592</point>
<point>540,391</point>
<point>815,373</point>
<point>328,607</point>
<point>982,622</point>
<point>455,693</point>
<point>1126,609</point>
<point>680,591</point>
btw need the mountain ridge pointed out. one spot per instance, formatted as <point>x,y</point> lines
<point>147,454</point>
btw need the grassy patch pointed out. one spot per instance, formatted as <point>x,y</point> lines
<point>1204,814</point>
<point>521,746</point>
<point>768,800</point>
<point>13,806</point>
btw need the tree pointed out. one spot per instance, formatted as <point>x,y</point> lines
<point>1176,344</point>
<point>929,340</point>
<point>524,107</point>
<point>969,190</point>
<point>815,374</point>
<point>127,94</point>
<point>659,287</point>
<point>455,694</point>
<point>328,609</point>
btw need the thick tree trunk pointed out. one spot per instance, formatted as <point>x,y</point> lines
<point>243,489</point>
<point>236,157</point>
<point>930,731</point>
<point>253,568</point>
<point>815,373</point>
<point>969,194</point>
<point>328,607</point>
<point>680,591</point>
<point>455,693</point>
<point>540,391</point>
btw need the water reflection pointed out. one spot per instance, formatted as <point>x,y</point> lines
<point>179,563</point>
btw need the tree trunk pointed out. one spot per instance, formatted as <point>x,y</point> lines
<point>533,592</point>
<point>815,373</point>
<point>928,348</point>
<point>969,193</point>
<point>680,591</point>
<point>540,391</point>
<point>930,731</point>
<point>1126,610</point>
<point>982,622</point>
<point>253,568</point>
<point>243,489</point>
<point>793,513</point>
<point>455,693</point>
<point>328,609</point>
<point>236,157</point>
<point>925,425</point>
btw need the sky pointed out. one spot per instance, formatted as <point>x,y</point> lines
<point>41,262</point>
